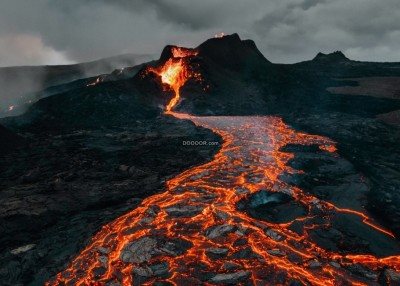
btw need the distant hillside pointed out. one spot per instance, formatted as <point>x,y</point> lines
<point>242,81</point>
<point>19,84</point>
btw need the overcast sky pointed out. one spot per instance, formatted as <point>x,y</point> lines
<point>68,31</point>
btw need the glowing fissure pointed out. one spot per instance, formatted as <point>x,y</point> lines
<point>199,207</point>
<point>175,73</point>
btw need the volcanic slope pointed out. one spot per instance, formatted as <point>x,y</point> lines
<point>23,85</point>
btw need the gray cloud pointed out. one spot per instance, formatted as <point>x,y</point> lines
<point>173,12</point>
<point>360,28</point>
<point>284,30</point>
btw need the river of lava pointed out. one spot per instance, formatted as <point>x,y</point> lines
<point>173,237</point>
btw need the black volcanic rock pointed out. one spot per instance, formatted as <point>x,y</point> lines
<point>372,147</point>
<point>58,191</point>
<point>232,53</point>
<point>271,206</point>
<point>8,140</point>
<point>22,85</point>
<point>335,57</point>
<point>167,52</point>
<point>234,76</point>
<point>242,82</point>
<point>114,103</point>
<point>117,99</point>
<point>149,85</point>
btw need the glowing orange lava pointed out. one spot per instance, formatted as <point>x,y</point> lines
<point>175,72</point>
<point>179,52</point>
<point>199,207</point>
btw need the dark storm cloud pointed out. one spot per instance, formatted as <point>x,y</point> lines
<point>58,31</point>
<point>173,12</point>
<point>307,4</point>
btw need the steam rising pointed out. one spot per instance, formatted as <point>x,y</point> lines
<point>22,86</point>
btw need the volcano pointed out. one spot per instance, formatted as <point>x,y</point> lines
<point>227,66</point>
<point>211,165</point>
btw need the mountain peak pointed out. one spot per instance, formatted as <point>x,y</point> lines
<point>336,56</point>
<point>231,51</point>
<point>171,51</point>
<point>228,51</point>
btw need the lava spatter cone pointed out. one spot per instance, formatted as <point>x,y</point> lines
<point>175,72</point>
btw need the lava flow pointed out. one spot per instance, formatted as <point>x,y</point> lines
<point>175,72</point>
<point>194,233</point>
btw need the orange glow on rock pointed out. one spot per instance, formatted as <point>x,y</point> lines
<point>328,148</point>
<point>179,52</point>
<point>175,72</point>
<point>200,207</point>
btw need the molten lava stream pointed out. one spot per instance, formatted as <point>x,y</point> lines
<point>193,232</point>
<point>197,215</point>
